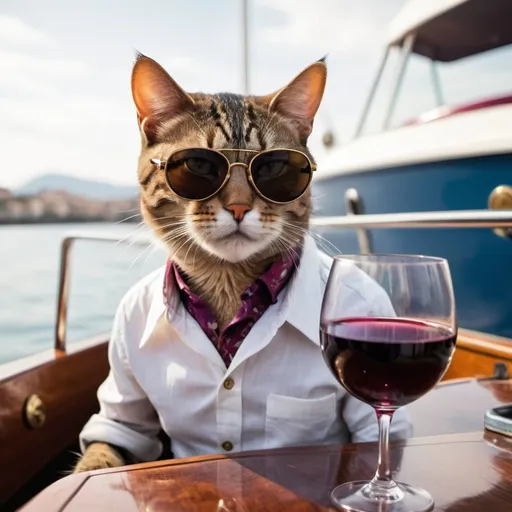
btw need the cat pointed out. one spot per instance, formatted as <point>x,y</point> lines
<point>219,262</point>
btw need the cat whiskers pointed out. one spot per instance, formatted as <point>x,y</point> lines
<point>149,246</point>
<point>159,243</point>
<point>128,218</point>
<point>190,238</point>
<point>172,226</point>
<point>325,244</point>
<point>179,229</point>
<point>174,236</point>
<point>136,209</point>
<point>131,238</point>
<point>190,247</point>
<point>138,227</point>
<point>215,257</point>
<point>154,246</point>
<point>279,248</point>
<point>176,225</point>
<point>205,233</point>
<point>289,249</point>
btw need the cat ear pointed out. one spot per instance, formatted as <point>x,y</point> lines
<point>300,99</point>
<point>156,95</point>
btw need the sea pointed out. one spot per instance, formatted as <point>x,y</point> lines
<point>101,273</point>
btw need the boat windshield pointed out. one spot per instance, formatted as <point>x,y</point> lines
<point>429,90</point>
<point>411,88</point>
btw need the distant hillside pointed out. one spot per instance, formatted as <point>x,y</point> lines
<point>90,189</point>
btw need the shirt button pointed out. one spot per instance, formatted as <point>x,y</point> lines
<point>229,383</point>
<point>227,446</point>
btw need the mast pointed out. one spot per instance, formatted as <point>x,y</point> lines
<point>245,46</point>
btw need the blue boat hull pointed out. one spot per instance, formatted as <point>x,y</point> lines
<point>480,261</point>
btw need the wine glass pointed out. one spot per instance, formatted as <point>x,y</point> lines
<point>388,331</point>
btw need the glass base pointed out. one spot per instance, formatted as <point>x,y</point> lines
<point>360,497</point>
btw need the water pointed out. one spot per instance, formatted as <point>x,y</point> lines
<point>101,272</point>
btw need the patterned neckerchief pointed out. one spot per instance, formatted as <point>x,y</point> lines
<point>256,299</point>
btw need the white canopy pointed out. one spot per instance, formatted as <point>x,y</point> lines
<point>447,30</point>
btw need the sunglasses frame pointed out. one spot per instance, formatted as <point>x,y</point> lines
<point>162,164</point>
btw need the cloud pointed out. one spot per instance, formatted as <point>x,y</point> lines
<point>86,136</point>
<point>25,72</point>
<point>198,74</point>
<point>63,117</point>
<point>103,156</point>
<point>326,25</point>
<point>183,64</point>
<point>15,31</point>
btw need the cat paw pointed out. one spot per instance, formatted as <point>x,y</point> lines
<point>98,456</point>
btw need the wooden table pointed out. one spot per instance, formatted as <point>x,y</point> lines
<point>464,472</point>
<point>458,406</point>
<point>470,471</point>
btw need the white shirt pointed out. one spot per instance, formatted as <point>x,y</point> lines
<point>166,373</point>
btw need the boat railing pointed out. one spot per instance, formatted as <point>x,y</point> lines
<point>64,276</point>
<point>442,219</point>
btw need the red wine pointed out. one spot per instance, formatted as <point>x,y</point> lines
<point>387,362</point>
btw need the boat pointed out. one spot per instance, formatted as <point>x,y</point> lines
<point>47,398</point>
<point>447,164</point>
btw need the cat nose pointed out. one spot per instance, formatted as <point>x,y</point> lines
<point>238,210</point>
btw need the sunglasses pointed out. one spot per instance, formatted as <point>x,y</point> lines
<point>279,176</point>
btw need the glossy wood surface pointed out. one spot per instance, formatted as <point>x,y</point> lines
<point>463,472</point>
<point>477,354</point>
<point>458,406</point>
<point>60,492</point>
<point>67,386</point>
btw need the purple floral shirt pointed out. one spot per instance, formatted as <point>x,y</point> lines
<point>256,299</point>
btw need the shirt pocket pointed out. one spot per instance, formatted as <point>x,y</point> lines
<point>294,421</point>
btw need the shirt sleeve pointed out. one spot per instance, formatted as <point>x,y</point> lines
<point>126,418</point>
<point>363,426</point>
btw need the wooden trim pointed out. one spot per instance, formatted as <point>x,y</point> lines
<point>477,353</point>
<point>15,368</point>
<point>483,343</point>
<point>67,386</point>
<point>455,382</point>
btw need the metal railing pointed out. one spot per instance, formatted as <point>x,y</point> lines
<point>63,291</point>
<point>446,219</point>
<point>450,219</point>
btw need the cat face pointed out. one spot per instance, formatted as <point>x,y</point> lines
<point>236,224</point>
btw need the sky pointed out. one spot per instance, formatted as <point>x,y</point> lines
<point>65,99</point>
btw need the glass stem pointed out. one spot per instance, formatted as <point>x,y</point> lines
<point>383,474</point>
<point>382,486</point>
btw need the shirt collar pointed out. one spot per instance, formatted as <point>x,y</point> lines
<point>306,289</point>
<point>302,297</point>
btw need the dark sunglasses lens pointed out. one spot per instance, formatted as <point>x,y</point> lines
<point>281,175</point>
<point>196,173</point>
